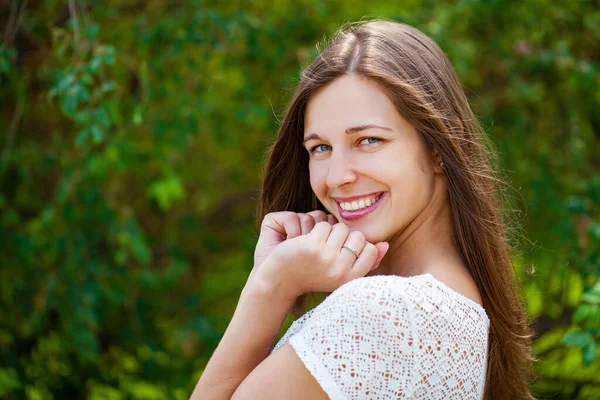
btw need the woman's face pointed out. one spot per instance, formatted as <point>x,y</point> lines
<point>368,166</point>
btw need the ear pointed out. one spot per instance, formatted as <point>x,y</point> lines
<point>437,161</point>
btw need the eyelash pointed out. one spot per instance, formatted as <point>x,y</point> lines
<point>313,149</point>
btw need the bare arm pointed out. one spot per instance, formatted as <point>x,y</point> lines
<point>258,317</point>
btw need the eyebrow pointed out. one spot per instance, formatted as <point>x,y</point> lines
<point>349,131</point>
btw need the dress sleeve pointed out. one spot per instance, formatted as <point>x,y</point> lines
<point>358,343</point>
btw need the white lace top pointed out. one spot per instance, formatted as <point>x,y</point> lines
<point>393,337</point>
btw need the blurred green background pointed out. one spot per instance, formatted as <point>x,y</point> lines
<point>133,136</point>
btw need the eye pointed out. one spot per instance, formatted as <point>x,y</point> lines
<point>319,149</point>
<point>371,141</point>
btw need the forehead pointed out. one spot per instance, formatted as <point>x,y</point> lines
<point>350,100</point>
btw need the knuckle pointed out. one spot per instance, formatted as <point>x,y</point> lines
<point>370,249</point>
<point>321,223</point>
<point>267,217</point>
<point>277,215</point>
<point>306,218</point>
<point>317,214</point>
<point>335,274</point>
<point>357,235</point>
<point>311,249</point>
<point>281,213</point>
<point>272,218</point>
<point>327,257</point>
<point>342,227</point>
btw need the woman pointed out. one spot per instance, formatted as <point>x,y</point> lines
<point>380,189</point>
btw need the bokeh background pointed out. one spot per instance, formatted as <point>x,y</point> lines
<point>133,137</point>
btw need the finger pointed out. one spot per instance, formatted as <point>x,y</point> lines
<point>281,224</point>
<point>355,241</point>
<point>286,222</point>
<point>307,222</point>
<point>382,248</point>
<point>321,232</point>
<point>318,215</point>
<point>363,264</point>
<point>337,237</point>
<point>332,219</point>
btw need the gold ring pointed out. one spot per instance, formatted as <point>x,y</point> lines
<point>351,249</point>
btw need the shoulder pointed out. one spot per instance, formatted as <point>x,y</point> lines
<point>352,343</point>
<point>414,303</point>
<point>368,297</point>
<point>459,280</point>
<point>411,298</point>
<point>387,290</point>
<point>382,305</point>
<point>390,287</point>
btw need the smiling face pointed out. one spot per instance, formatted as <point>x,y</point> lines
<point>368,166</point>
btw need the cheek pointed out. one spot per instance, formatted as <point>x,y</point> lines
<point>405,177</point>
<point>317,180</point>
<point>414,186</point>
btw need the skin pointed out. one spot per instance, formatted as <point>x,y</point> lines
<point>408,234</point>
<point>414,217</point>
<point>300,253</point>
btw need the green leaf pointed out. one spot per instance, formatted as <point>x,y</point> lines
<point>82,137</point>
<point>95,63</point>
<point>103,117</point>
<point>574,282</point>
<point>64,83</point>
<point>97,134</point>
<point>7,56</point>
<point>137,115</point>
<point>69,104</point>
<point>595,230</point>
<point>534,300</point>
<point>166,191</point>
<point>90,32</point>
<point>582,312</point>
<point>576,205</point>
<point>591,297</point>
<point>589,353</point>
<point>139,247</point>
<point>141,250</point>
<point>577,338</point>
<point>9,380</point>
<point>87,78</point>
<point>593,319</point>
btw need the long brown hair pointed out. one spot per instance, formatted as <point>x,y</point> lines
<point>420,80</point>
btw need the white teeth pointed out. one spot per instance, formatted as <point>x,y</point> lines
<point>357,205</point>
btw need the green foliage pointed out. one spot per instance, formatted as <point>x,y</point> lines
<point>7,56</point>
<point>130,167</point>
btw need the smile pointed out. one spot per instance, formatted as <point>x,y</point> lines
<point>358,208</point>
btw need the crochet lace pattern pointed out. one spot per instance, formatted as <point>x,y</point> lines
<point>394,337</point>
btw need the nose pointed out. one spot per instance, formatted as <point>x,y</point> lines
<point>341,171</point>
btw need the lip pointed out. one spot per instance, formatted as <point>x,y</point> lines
<point>352,198</point>
<point>354,215</point>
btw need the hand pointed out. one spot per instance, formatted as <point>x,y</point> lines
<point>318,262</point>
<point>279,226</point>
